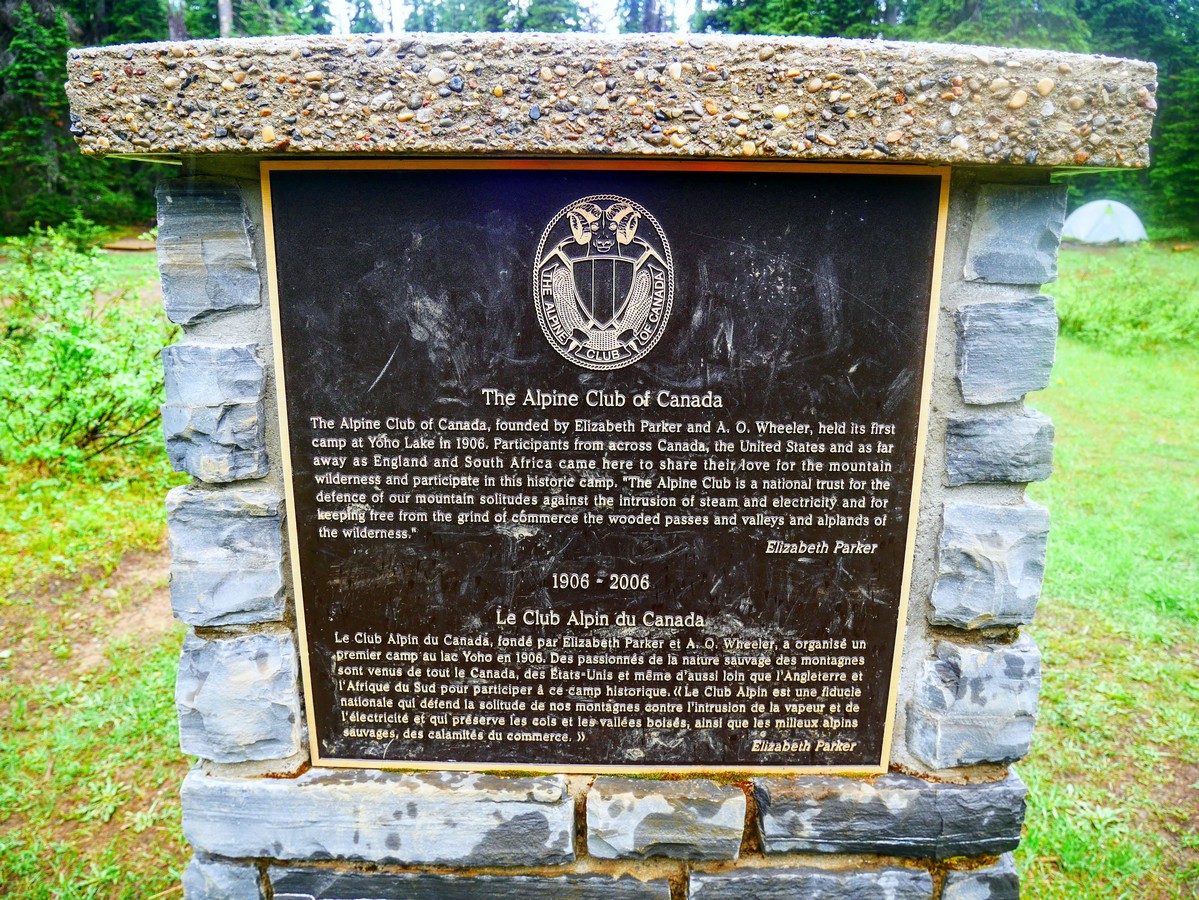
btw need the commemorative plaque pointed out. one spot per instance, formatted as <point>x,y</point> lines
<point>602,465</point>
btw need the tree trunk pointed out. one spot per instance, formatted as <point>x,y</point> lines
<point>653,20</point>
<point>176,30</point>
<point>224,14</point>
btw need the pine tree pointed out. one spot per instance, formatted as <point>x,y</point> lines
<point>1044,24</point>
<point>461,15</point>
<point>253,18</point>
<point>550,15</point>
<point>115,21</point>
<point>32,138</point>
<point>363,19</point>
<point>1165,32</point>
<point>1175,172</point>
<point>130,22</point>
<point>317,19</point>
<point>43,176</point>
<point>824,18</point>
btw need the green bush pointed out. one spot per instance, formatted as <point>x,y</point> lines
<point>1129,299</point>
<point>79,372</point>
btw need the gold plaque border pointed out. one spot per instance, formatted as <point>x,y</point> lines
<point>266,167</point>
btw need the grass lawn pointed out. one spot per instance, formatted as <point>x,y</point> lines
<point>129,268</point>
<point>1142,297</point>
<point>1114,770</point>
<point>89,759</point>
<point>89,753</point>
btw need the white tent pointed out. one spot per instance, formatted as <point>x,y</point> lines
<point>1104,221</point>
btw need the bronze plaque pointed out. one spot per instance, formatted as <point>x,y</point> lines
<point>602,466</point>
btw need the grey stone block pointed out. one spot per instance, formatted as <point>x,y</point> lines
<point>988,449</point>
<point>431,818</point>
<point>1016,232</point>
<point>212,374</point>
<point>206,878</point>
<point>997,882</point>
<point>890,883</point>
<point>238,699</point>
<point>226,556</point>
<point>216,444</point>
<point>212,420</point>
<point>205,251</point>
<point>1005,348</point>
<point>630,818</point>
<point>990,564</point>
<point>895,815</point>
<point>975,704</point>
<point>325,884</point>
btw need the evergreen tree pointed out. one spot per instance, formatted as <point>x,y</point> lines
<point>253,18</point>
<point>131,22</point>
<point>550,15</point>
<point>43,177</point>
<point>1175,172</point>
<point>461,15</point>
<point>1166,32</point>
<point>1046,24</point>
<point>116,21</point>
<point>496,15</point>
<point>34,111</point>
<point>824,18</point>
<point>317,19</point>
<point>363,19</point>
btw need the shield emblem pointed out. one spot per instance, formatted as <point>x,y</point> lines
<point>603,284</point>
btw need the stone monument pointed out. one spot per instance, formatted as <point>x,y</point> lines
<point>608,454</point>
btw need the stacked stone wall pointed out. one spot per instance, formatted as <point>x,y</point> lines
<point>264,823</point>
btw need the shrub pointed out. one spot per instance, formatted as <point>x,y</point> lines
<point>79,372</point>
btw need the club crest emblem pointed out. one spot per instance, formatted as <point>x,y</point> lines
<point>603,282</point>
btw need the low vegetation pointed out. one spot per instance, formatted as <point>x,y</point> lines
<point>1114,772</point>
<point>1139,297</point>
<point>79,371</point>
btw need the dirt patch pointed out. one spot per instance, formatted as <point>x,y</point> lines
<point>148,292</point>
<point>144,578</point>
<point>106,805</point>
<point>131,244</point>
<point>61,627</point>
<point>1178,814</point>
<point>151,295</point>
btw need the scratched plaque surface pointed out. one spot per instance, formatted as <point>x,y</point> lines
<point>601,467</point>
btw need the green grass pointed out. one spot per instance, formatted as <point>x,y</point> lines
<point>1139,297</point>
<point>1114,772</point>
<point>1125,490</point>
<point>131,268</point>
<point>63,533</point>
<point>89,756</point>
